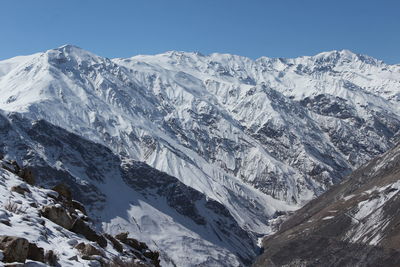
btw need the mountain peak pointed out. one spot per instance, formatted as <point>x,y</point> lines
<point>345,55</point>
<point>70,52</point>
<point>69,47</point>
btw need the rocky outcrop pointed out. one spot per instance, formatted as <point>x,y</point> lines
<point>88,250</point>
<point>66,213</point>
<point>35,253</point>
<point>78,206</point>
<point>58,215</point>
<point>20,189</point>
<point>116,244</point>
<point>123,237</point>
<point>80,227</point>
<point>15,249</point>
<point>64,191</point>
<point>50,258</point>
<point>25,173</point>
<point>139,247</point>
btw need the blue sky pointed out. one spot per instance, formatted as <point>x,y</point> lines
<point>253,28</point>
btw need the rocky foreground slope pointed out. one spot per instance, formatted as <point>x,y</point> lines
<point>43,227</point>
<point>356,223</point>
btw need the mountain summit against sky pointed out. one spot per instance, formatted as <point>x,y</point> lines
<point>259,137</point>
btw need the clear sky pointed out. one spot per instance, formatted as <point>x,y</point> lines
<point>253,28</point>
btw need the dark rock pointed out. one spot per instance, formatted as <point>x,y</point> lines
<point>63,190</point>
<point>138,255</point>
<point>58,215</point>
<point>102,241</point>
<point>78,206</point>
<point>33,205</point>
<point>14,163</point>
<point>88,250</point>
<point>35,253</point>
<point>73,258</point>
<point>80,227</point>
<point>50,258</point>
<point>15,249</point>
<point>26,174</point>
<point>116,244</point>
<point>153,256</point>
<point>122,236</point>
<point>6,222</point>
<point>133,243</point>
<point>20,189</point>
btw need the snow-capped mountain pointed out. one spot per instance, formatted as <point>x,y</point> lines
<point>124,195</point>
<point>258,137</point>
<point>356,223</point>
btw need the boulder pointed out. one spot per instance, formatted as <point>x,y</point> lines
<point>27,175</point>
<point>133,243</point>
<point>122,236</point>
<point>88,250</point>
<point>58,215</point>
<point>63,190</point>
<point>17,168</point>
<point>80,227</point>
<point>20,189</point>
<point>153,256</point>
<point>4,217</point>
<point>15,249</point>
<point>35,253</point>
<point>78,206</point>
<point>116,244</point>
<point>50,258</point>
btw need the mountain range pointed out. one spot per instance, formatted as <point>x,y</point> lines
<point>196,154</point>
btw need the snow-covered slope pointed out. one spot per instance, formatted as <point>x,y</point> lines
<point>353,224</point>
<point>256,136</point>
<point>44,240</point>
<point>187,227</point>
<point>291,127</point>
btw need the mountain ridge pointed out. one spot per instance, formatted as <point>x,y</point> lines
<point>352,224</point>
<point>260,137</point>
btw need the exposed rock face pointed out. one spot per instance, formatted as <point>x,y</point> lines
<point>15,249</point>
<point>39,231</point>
<point>80,227</point>
<point>78,206</point>
<point>88,250</point>
<point>139,247</point>
<point>353,224</point>
<point>58,215</point>
<point>20,189</point>
<point>133,243</point>
<point>63,190</point>
<point>116,244</point>
<point>50,258</point>
<point>35,253</point>
<point>27,175</point>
